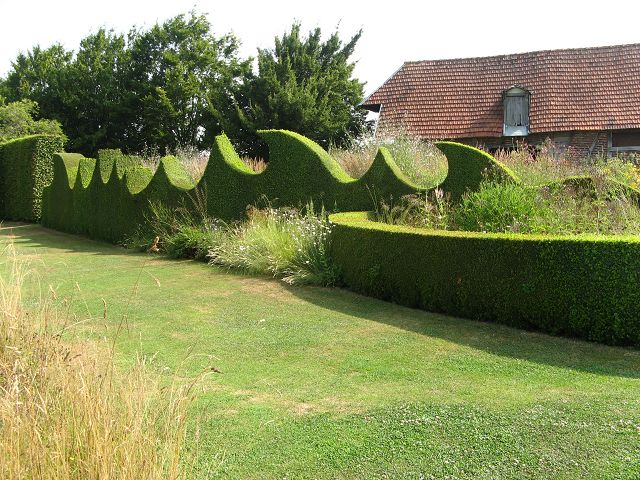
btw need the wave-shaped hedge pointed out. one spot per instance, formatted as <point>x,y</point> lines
<point>113,203</point>
<point>25,169</point>
<point>584,286</point>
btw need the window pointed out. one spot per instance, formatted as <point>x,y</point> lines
<point>625,141</point>
<point>516,112</point>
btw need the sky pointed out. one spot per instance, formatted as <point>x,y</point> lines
<point>393,31</point>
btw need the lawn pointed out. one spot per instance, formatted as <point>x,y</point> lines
<point>324,383</point>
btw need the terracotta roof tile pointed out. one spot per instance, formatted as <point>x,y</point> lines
<point>576,89</point>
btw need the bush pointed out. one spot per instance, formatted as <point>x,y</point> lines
<point>587,287</point>
<point>283,243</point>
<point>26,168</point>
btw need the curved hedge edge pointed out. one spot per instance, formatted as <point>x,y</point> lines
<point>86,169</point>
<point>584,286</point>
<point>69,163</point>
<point>468,167</point>
<point>224,156</point>
<point>137,178</point>
<point>384,173</point>
<point>175,173</point>
<point>363,219</point>
<point>282,143</point>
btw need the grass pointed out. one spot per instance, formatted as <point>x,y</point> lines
<point>322,383</point>
<point>65,412</point>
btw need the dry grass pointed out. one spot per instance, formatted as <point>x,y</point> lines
<point>67,413</point>
<point>194,161</point>
<point>421,161</point>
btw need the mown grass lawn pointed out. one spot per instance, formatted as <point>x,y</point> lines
<point>323,383</point>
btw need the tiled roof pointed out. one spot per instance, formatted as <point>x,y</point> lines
<point>576,89</point>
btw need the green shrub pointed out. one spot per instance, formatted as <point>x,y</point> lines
<point>587,287</point>
<point>279,242</point>
<point>26,168</point>
<point>469,167</point>
<point>500,207</point>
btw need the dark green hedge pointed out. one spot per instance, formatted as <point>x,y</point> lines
<point>26,167</point>
<point>468,167</point>
<point>110,197</point>
<point>587,287</point>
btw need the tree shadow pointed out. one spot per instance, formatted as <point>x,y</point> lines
<point>36,236</point>
<point>497,339</point>
<point>490,337</point>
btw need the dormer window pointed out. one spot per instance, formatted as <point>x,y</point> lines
<point>516,112</point>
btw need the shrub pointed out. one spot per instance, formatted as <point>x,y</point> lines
<point>283,243</point>
<point>581,286</point>
<point>299,172</point>
<point>26,168</point>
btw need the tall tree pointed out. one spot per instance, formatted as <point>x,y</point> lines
<point>177,70</point>
<point>151,88</point>
<point>305,85</point>
<point>39,75</point>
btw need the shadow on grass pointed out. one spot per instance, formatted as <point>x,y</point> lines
<point>494,338</point>
<point>36,236</point>
<point>490,337</point>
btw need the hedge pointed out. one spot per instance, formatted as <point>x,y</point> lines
<point>110,197</point>
<point>26,167</point>
<point>582,286</point>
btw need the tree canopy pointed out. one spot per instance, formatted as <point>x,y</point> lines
<point>305,85</point>
<point>177,83</point>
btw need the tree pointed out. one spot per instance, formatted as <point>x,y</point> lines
<point>178,70</point>
<point>39,75</point>
<point>152,88</point>
<point>16,120</point>
<point>304,85</point>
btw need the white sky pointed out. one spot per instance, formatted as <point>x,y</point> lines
<point>394,31</point>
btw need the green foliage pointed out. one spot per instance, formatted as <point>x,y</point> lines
<point>26,167</point>
<point>283,243</point>
<point>16,120</point>
<point>149,88</point>
<point>576,205</point>
<point>420,161</point>
<point>468,167</point>
<point>110,197</point>
<point>303,84</point>
<point>578,286</point>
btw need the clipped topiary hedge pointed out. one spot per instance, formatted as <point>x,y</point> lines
<point>110,197</point>
<point>587,287</point>
<point>26,168</point>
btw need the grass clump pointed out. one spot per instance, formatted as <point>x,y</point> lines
<point>284,243</point>
<point>66,412</point>
<point>421,161</point>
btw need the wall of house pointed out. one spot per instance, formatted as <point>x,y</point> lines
<point>582,144</point>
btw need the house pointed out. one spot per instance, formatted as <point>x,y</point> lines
<point>587,98</point>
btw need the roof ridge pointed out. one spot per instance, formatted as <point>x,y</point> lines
<point>521,54</point>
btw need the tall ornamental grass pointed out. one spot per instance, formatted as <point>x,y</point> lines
<point>66,412</point>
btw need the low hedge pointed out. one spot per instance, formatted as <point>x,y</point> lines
<point>26,167</point>
<point>582,286</point>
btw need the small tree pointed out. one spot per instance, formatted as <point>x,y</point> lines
<point>304,85</point>
<point>16,120</point>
